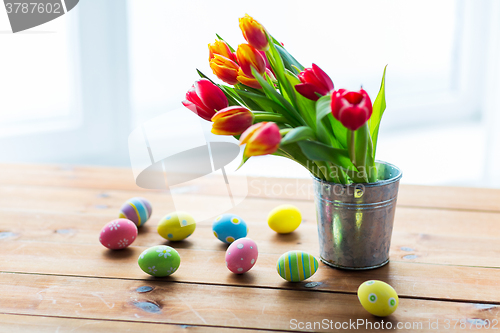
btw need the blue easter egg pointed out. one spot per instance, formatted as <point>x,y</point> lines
<point>229,227</point>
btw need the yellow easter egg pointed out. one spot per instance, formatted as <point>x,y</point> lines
<point>176,226</point>
<point>378,298</point>
<point>284,219</point>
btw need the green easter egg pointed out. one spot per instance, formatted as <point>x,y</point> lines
<point>159,260</point>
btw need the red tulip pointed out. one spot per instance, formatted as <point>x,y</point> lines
<point>204,98</point>
<point>249,57</point>
<point>254,33</point>
<point>232,120</point>
<point>351,108</point>
<point>314,81</point>
<point>261,139</point>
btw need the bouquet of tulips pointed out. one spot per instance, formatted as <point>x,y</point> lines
<point>274,105</point>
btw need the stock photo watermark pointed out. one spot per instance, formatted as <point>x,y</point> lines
<point>429,325</point>
<point>25,15</point>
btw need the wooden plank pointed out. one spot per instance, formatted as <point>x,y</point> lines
<point>84,228</point>
<point>208,267</point>
<point>425,236</point>
<point>42,324</point>
<point>298,189</point>
<point>95,202</point>
<point>194,304</point>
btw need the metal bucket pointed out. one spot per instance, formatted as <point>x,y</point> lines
<point>355,221</point>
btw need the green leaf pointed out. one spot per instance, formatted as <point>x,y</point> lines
<point>278,68</point>
<point>266,103</point>
<point>361,146</point>
<point>289,111</point>
<point>320,152</point>
<point>323,107</point>
<point>298,134</point>
<point>288,60</point>
<point>203,76</point>
<point>378,111</point>
<point>339,131</point>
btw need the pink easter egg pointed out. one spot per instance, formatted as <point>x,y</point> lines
<point>118,234</point>
<point>241,255</point>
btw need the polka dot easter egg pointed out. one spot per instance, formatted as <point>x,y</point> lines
<point>137,210</point>
<point>296,266</point>
<point>284,219</point>
<point>241,255</point>
<point>229,227</point>
<point>118,234</point>
<point>159,260</point>
<point>176,226</point>
<point>378,298</point>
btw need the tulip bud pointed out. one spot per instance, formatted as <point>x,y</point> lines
<point>221,48</point>
<point>351,108</point>
<point>232,120</point>
<point>254,33</point>
<point>314,81</point>
<point>225,69</point>
<point>261,139</point>
<point>249,57</point>
<point>204,98</point>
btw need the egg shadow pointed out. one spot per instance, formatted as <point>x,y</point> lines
<point>143,229</point>
<point>119,254</point>
<point>292,237</point>
<point>245,278</point>
<point>223,246</point>
<point>180,244</point>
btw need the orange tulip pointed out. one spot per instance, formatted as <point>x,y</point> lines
<point>248,81</point>
<point>252,82</point>
<point>221,48</point>
<point>232,120</point>
<point>225,69</point>
<point>254,33</point>
<point>249,57</point>
<point>261,139</point>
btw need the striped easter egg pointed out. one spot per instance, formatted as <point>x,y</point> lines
<point>137,210</point>
<point>296,266</point>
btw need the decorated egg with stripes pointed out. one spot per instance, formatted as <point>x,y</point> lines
<point>296,266</point>
<point>229,227</point>
<point>176,226</point>
<point>378,298</point>
<point>137,210</point>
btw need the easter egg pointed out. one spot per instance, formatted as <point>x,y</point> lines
<point>378,298</point>
<point>284,219</point>
<point>159,260</point>
<point>176,226</point>
<point>137,210</point>
<point>295,266</point>
<point>229,227</point>
<point>118,234</point>
<point>241,255</point>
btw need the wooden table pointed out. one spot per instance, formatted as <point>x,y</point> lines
<point>57,277</point>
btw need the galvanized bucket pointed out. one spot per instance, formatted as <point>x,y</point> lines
<point>355,221</point>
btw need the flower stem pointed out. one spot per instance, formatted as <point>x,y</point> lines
<point>259,117</point>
